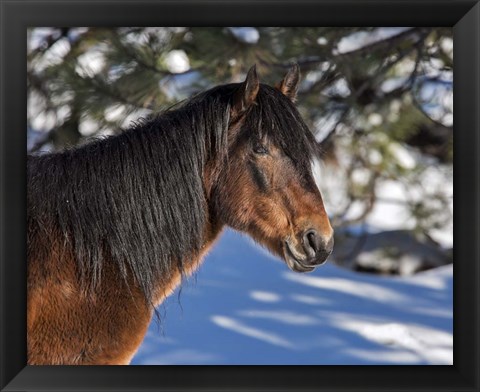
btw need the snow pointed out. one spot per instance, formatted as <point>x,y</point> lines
<point>402,155</point>
<point>39,118</point>
<point>115,112</point>
<point>314,76</point>
<point>53,56</point>
<point>375,119</point>
<point>92,62</point>
<point>88,126</point>
<point>33,137</point>
<point>361,39</point>
<point>436,97</point>
<point>322,41</point>
<point>115,72</point>
<point>244,306</point>
<point>75,33</point>
<point>39,36</point>
<point>338,88</point>
<point>182,85</point>
<point>248,35</point>
<point>177,61</point>
<point>392,84</point>
<point>325,124</point>
<point>392,210</point>
<point>447,46</point>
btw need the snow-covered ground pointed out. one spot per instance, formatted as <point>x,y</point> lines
<point>245,307</point>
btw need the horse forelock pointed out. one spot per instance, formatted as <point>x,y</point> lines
<point>275,117</point>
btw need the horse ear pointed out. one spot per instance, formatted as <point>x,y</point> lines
<point>289,85</point>
<point>247,92</point>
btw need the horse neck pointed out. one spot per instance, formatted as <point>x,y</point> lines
<point>210,177</point>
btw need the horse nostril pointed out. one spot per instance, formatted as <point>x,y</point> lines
<point>311,242</point>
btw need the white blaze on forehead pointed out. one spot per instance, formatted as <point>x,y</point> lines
<point>316,171</point>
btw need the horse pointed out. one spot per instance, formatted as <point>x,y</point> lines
<point>113,226</point>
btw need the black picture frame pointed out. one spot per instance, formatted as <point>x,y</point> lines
<point>17,15</point>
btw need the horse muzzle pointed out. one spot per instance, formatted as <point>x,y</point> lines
<point>308,252</point>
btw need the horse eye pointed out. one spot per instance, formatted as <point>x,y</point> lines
<point>260,149</point>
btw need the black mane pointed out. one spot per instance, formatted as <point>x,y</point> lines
<point>275,116</point>
<point>138,198</point>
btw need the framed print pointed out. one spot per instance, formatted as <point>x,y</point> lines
<point>149,149</point>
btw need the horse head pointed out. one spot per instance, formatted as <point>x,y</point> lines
<point>266,187</point>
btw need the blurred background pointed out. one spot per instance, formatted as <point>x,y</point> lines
<point>379,101</point>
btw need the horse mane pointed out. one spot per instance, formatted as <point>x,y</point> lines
<point>138,199</point>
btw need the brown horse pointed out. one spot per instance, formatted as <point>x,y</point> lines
<point>114,225</point>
